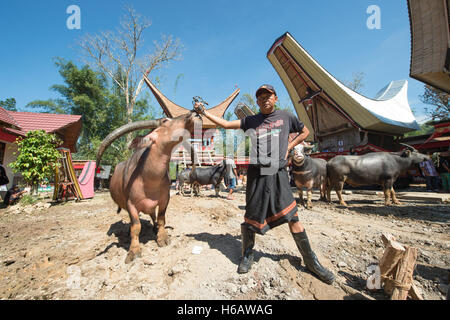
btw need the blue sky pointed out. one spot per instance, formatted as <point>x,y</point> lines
<point>225,43</point>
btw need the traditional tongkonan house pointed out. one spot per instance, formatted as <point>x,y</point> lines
<point>338,117</point>
<point>437,141</point>
<point>16,124</point>
<point>204,147</point>
<point>430,42</point>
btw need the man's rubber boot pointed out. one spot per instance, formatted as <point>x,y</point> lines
<point>310,258</point>
<point>248,241</point>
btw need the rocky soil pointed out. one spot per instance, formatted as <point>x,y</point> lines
<point>76,250</point>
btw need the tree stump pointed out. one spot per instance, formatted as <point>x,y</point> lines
<point>396,269</point>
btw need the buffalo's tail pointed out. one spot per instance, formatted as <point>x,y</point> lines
<point>119,209</point>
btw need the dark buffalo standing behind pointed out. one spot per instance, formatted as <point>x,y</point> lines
<point>202,176</point>
<point>308,173</point>
<point>381,168</point>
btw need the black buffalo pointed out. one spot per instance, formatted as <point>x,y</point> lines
<point>202,176</point>
<point>308,173</point>
<point>381,168</point>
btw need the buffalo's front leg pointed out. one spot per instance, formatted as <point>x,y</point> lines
<point>394,197</point>
<point>387,186</point>
<point>339,188</point>
<point>152,214</point>
<point>300,195</point>
<point>135,229</point>
<point>323,191</point>
<point>217,189</point>
<point>162,238</point>
<point>309,186</point>
<point>309,199</point>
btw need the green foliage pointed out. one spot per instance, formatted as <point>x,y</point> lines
<point>28,199</point>
<point>424,130</point>
<point>37,156</point>
<point>248,100</point>
<point>102,106</point>
<point>8,104</point>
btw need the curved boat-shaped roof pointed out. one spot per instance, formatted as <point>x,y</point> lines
<point>173,110</point>
<point>430,42</point>
<point>388,113</point>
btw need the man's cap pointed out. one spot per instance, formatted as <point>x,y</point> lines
<point>265,87</point>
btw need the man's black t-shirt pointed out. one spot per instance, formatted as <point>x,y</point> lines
<point>271,136</point>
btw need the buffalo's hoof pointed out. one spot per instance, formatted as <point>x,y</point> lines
<point>163,241</point>
<point>344,204</point>
<point>132,255</point>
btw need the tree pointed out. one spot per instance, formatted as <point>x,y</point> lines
<point>424,129</point>
<point>9,104</point>
<point>88,93</point>
<point>37,157</point>
<point>440,102</point>
<point>84,92</point>
<point>248,100</point>
<point>357,83</point>
<point>116,54</point>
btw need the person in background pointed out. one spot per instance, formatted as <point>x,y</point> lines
<point>231,175</point>
<point>442,168</point>
<point>430,174</point>
<point>13,196</point>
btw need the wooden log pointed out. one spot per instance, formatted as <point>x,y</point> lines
<point>388,263</point>
<point>403,277</point>
<point>414,293</point>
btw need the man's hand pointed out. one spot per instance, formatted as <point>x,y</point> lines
<point>199,108</point>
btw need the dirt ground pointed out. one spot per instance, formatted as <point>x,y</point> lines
<point>76,250</point>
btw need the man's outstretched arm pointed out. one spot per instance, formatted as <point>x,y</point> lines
<point>236,124</point>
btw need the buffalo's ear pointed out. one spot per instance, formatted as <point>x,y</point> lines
<point>406,153</point>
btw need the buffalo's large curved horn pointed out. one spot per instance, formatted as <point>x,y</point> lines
<point>127,128</point>
<point>173,110</point>
<point>408,146</point>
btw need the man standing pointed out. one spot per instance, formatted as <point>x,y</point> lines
<point>430,174</point>
<point>269,198</point>
<point>231,176</point>
<point>443,169</point>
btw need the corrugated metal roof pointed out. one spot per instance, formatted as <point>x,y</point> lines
<point>6,117</point>
<point>69,126</point>
<point>49,122</point>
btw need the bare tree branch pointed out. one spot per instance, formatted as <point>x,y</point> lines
<point>118,55</point>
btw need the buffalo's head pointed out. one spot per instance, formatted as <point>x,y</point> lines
<point>415,156</point>
<point>298,155</point>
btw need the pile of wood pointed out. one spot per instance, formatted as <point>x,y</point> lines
<point>396,269</point>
